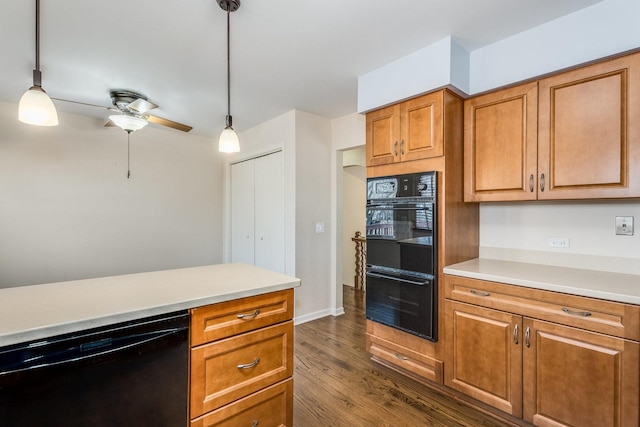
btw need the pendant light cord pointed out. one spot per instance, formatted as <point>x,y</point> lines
<point>128,154</point>
<point>228,67</point>
<point>37,75</point>
<point>37,34</point>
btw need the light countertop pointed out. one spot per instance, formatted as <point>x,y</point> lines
<point>590,283</point>
<point>39,311</point>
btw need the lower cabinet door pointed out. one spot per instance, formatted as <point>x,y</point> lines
<point>578,378</point>
<point>269,407</point>
<point>484,355</point>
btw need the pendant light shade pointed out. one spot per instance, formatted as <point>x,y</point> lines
<point>229,142</point>
<point>36,108</point>
<point>127,122</point>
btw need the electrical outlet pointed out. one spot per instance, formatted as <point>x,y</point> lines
<point>559,242</point>
<point>624,225</point>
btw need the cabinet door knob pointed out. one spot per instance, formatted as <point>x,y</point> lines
<point>515,334</point>
<point>542,182</point>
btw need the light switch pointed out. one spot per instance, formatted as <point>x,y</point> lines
<point>319,227</point>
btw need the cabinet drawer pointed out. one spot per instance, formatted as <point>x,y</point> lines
<point>217,321</point>
<point>386,344</point>
<point>607,317</point>
<point>269,407</point>
<point>229,369</point>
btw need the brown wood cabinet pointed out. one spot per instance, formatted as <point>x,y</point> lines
<point>458,221</point>
<point>501,145</point>
<point>242,361</point>
<point>583,143</point>
<point>510,348</point>
<point>407,131</point>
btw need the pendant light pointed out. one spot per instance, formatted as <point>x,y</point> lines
<point>229,142</point>
<point>36,108</point>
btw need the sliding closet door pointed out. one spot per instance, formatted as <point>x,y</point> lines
<point>257,212</point>
<point>269,212</point>
<point>242,212</point>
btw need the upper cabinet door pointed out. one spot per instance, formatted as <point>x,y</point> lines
<point>588,133</point>
<point>383,136</point>
<point>422,127</point>
<point>500,145</point>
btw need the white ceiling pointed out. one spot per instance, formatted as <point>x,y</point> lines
<point>296,54</point>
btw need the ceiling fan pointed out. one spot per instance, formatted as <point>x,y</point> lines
<point>133,109</point>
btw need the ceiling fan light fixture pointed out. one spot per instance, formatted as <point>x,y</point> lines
<point>128,123</point>
<point>36,108</point>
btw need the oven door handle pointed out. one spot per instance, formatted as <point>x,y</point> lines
<point>399,279</point>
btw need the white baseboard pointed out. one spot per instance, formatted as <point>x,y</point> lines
<point>317,315</point>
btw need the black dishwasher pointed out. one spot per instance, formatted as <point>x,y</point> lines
<point>127,374</point>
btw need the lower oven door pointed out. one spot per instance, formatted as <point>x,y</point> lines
<point>403,301</point>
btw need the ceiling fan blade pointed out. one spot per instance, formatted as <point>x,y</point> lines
<point>84,103</point>
<point>169,123</point>
<point>141,105</point>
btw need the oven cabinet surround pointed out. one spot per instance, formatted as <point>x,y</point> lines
<point>572,135</point>
<point>548,358</point>
<point>410,130</point>
<point>242,362</point>
<point>458,221</point>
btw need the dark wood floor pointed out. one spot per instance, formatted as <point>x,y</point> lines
<point>336,383</point>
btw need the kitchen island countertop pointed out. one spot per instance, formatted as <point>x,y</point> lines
<point>39,311</point>
<point>589,283</point>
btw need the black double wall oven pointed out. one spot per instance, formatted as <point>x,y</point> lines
<point>402,245</point>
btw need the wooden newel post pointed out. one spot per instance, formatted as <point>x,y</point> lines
<point>361,259</point>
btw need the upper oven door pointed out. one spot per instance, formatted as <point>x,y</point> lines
<point>401,236</point>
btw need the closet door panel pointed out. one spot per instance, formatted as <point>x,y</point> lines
<point>269,212</point>
<point>242,212</point>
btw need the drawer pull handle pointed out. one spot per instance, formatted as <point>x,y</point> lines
<point>401,357</point>
<point>249,365</point>
<point>531,187</point>
<point>527,337</point>
<point>576,313</point>
<point>249,316</point>
<point>480,293</point>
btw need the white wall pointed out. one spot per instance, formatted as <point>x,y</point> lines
<point>606,28</point>
<point>347,132</point>
<point>313,205</point>
<point>354,200</point>
<point>67,210</point>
